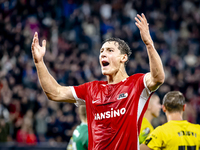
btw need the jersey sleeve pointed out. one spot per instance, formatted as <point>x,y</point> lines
<point>139,80</point>
<point>155,140</point>
<point>79,93</point>
<point>146,129</point>
<point>143,134</point>
<point>85,141</point>
<point>144,96</point>
<point>147,89</point>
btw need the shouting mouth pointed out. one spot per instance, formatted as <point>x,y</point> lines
<point>105,63</point>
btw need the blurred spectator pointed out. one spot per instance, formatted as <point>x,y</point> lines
<point>26,135</point>
<point>4,124</point>
<point>41,124</point>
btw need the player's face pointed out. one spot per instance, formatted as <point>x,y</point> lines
<point>156,107</point>
<point>110,58</point>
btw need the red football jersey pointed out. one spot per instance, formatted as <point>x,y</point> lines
<point>114,112</point>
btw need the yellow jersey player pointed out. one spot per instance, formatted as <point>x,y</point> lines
<point>176,134</point>
<point>152,111</point>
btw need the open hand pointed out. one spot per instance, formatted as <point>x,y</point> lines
<point>38,51</point>
<point>141,23</point>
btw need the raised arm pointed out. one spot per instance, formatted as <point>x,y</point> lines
<point>156,76</point>
<point>52,89</point>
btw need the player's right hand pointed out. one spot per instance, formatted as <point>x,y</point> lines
<point>38,51</point>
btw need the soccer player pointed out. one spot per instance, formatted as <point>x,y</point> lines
<point>152,111</point>
<point>115,107</point>
<point>176,134</point>
<point>79,139</point>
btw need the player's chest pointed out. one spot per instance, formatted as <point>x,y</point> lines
<point>112,103</point>
<point>110,95</point>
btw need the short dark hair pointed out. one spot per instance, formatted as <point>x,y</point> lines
<point>123,46</point>
<point>174,101</point>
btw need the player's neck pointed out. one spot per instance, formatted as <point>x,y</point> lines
<point>84,121</point>
<point>148,116</point>
<point>174,116</point>
<point>117,77</point>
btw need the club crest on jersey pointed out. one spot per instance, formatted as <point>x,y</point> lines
<point>123,95</point>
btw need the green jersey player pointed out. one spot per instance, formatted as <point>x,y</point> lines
<point>79,139</point>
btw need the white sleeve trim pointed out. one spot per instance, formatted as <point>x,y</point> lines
<point>79,101</point>
<point>143,98</point>
<point>146,85</point>
<point>142,101</point>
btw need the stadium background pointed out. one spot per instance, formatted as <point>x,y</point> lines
<point>74,30</point>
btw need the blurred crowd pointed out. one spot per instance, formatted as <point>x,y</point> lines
<point>74,31</point>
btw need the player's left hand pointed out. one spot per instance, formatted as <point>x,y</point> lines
<point>141,23</point>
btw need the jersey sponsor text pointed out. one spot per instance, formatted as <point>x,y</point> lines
<point>110,114</point>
